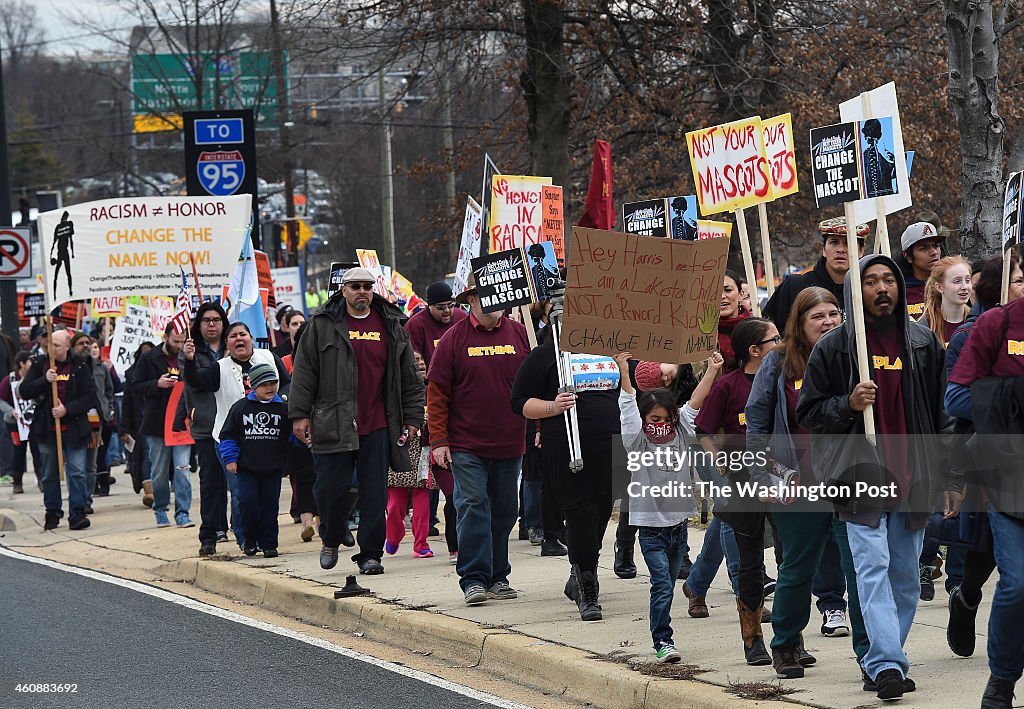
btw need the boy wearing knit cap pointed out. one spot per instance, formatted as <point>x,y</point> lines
<point>254,446</point>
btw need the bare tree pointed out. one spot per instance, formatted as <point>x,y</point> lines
<point>975,30</point>
<point>20,33</point>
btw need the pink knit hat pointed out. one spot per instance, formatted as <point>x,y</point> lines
<point>648,376</point>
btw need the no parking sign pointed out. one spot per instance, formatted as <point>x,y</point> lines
<point>15,253</point>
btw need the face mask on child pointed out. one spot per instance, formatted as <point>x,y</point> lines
<point>659,433</point>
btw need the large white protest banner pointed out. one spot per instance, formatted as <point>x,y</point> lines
<point>130,331</point>
<point>516,216</point>
<point>138,246</point>
<point>470,247</point>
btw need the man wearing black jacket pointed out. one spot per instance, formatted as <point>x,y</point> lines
<point>76,394</point>
<point>828,273</point>
<point>157,374</point>
<point>987,386</point>
<point>885,529</point>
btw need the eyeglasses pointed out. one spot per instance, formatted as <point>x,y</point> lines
<point>360,286</point>
<point>210,321</point>
<point>443,306</point>
<point>777,339</point>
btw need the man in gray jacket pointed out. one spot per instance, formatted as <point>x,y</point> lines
<point>356,396</point>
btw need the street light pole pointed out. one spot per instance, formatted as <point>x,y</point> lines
<point>387,184</point>
<point>285,137</point>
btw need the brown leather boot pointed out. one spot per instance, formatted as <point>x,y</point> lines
<point>147,493</point>
<point>753,640</point>
<point>698,604</point>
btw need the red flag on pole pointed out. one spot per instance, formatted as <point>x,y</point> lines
<point>599,212</point>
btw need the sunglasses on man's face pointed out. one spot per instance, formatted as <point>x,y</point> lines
<point>360,286</point>
<point>443,306</point>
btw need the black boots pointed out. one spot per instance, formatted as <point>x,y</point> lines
<point>624,566</point>
<point>753,640</point>
<point>998,694</point>
<point>348,503</point>
<point>586,592</point>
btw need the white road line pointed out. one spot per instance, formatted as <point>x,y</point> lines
<point>191,603</point>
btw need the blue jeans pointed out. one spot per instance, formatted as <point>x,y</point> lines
<point>236,515</point>
<point>663,549</point>
<point>74,473</point>
<point>141,458</point>
<point>178,456</point>
<point>718,537</point>
<point>1005,641</point>
<point>829,583</point>
<point>888,586</point>
<point>486,505</point>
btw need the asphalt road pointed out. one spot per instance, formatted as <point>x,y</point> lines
<point>123,648</point>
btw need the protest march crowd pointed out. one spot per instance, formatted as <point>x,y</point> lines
<point>369,412</point>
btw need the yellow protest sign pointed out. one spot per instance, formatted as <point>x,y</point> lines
<point>729,166</point>
<point>781,154</point>
<point>707,229</point>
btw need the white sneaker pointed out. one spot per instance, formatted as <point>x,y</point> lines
<point>833,624</point>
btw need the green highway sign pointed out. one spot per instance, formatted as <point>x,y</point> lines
<point>166,84</point>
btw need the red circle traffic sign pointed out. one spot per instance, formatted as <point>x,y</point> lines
<point>15,253</point>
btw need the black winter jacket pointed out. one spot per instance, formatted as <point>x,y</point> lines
<point>838,442</point>
<point>80,397</point>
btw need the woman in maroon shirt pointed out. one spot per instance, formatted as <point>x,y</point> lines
<point>723,411</point>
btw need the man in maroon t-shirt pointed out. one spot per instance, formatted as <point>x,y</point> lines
<point>474,430</point>
<point>426,327</point>
<point>905,393</point>
<point>356,397</point>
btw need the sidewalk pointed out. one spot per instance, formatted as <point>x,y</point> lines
<point>537,639</point>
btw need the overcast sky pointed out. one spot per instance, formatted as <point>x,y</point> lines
<point>65,38</point>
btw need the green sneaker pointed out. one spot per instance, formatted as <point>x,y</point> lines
<point>667,653</point>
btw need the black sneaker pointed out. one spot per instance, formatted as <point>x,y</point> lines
<point>927,584</point>
<point>88,510</point>
<point>207,550</point>
<point>434,531</point>
<point>769,585</point>
<point>222,536</point>
<point>269,553</point>
<point>960,632</point>
<point>998,694</point>
<point>371,567</point>
<point>79,523</point>
<point>869,684</point>
<point>889,685</point>
<point>52,522</point>
<point>552,547</point>
<point>249,551</point>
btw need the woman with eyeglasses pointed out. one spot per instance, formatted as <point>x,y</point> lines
<point>804,528</point>
<point>721,427</point>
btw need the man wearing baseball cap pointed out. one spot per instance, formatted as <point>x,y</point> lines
<point>474,430</point>
<point>356,391</point>
<point>921,249</point>
<point>828,273</point>
<point>426,327</point>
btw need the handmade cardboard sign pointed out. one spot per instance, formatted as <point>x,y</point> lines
<point>516,211</point>
<point>656,298</point>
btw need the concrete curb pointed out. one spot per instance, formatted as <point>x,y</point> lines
<point>12,520</point>
<point>549,667</point>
